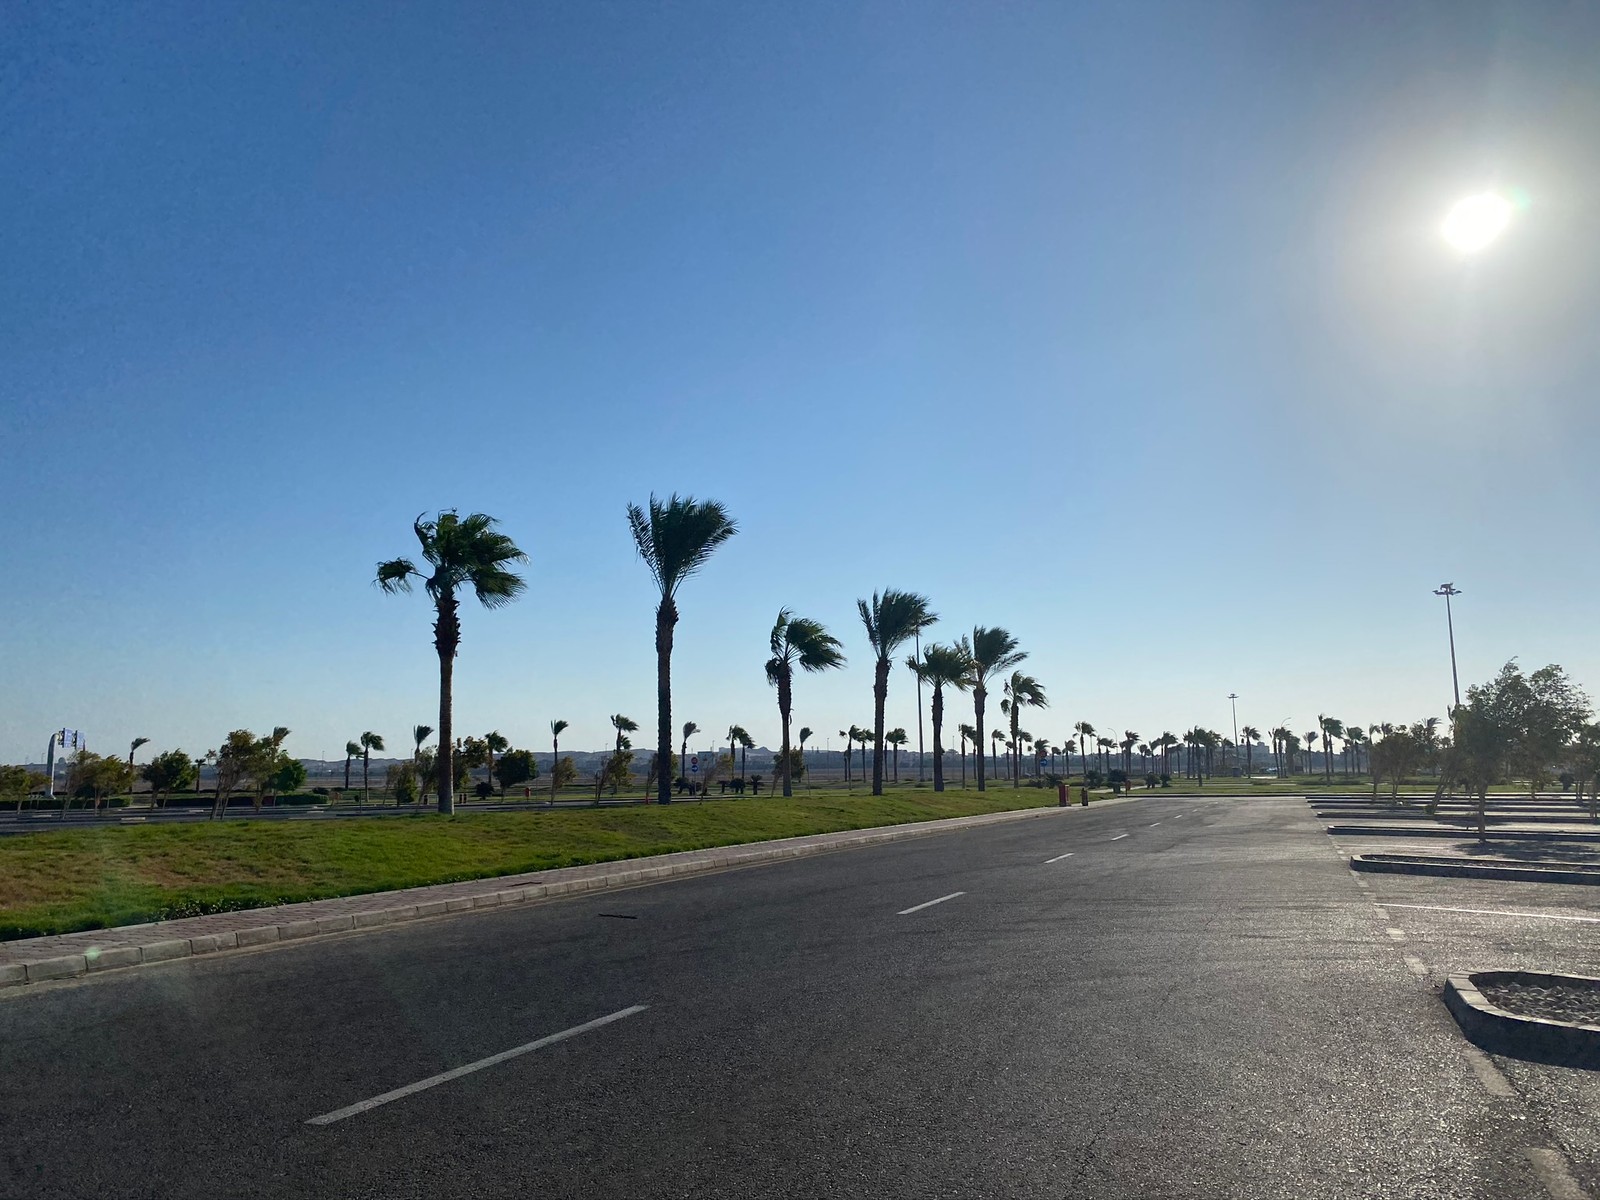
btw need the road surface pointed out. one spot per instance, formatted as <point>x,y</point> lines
<point>1170,997</point>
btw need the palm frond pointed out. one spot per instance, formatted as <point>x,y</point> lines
<point>676,537</point>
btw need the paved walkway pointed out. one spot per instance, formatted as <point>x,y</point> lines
<point>62,956</point>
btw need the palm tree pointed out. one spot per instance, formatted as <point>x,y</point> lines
<point>496,743</point>
<point>1311,751</point>
<point>1129,740</point>
<point>461,551</point>
<point>1251,736</point>
<point>369,742</point>
<point>736,734</point>
<point>689,730</point>
<point>990,651</point>
<point>996,736</point>
<point>1086,733</point>
<point>419,734</point>
<point>890,619</point>
<point>746,744</point>
<point>1021,691</point>
<point>846,735</point>
<point>137,742</point>
<point>856,735</point>
<point>351,750</point>
<point>968,734</point>
<point>624,726</point>
<point>797,641</point>
<point>1331,728</point>
<point>675,539</point>
<point>1353,739</point>
<point>805,736</point>
<point>556,729</point>
<point>896,737</point>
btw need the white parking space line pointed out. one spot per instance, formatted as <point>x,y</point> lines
<point>1058,858</point>
<point>1153,824</point>
<point>928,904</point>
<point>1488,1074</point>
<point>1398,935</point>
<point>1416,966</point>
<point>494,1059</point>
<point>1495,912</point>
<point>1551,1166</point>
<point>1119,837</point>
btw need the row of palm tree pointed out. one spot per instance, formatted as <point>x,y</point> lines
<point>675,538</point>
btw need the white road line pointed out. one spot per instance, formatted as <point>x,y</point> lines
<point>1553,1172</point>
<point>1058,858</point>
<point>1153,824</point>
<point>1119,837</point>
<point>1495,912</point>
<point>492,1060</point>
<point>1398,935</point>
<point>1488,1074</point>
<point>928,904</point>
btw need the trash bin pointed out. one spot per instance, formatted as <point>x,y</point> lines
<point>1085,801</point>
<point>1061,794</point>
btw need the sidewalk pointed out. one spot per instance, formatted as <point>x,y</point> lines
<point>63,956</point>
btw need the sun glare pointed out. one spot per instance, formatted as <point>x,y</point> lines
<point>1476,222</point>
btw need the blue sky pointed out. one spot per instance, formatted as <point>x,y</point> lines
<point>1128,330</point>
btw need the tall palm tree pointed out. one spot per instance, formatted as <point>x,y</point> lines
<point>1086,735</point>
<point>1251,736</point>
<point>891,619</point>
<point>1331,727</point>
<point>556,730</point>
<point>1068,749</point>
<point>1311,751</point>
<point>1129,740</point>
<point>996,736</point>
<point>859,736</point>
<point>968,734</point>
<point>461,551</point>
<point>689,730</point>
<point>369,742</point>
<point>896,738</point>
<point>805,736</point>
<point>746,744</point>
<point>1021,691</point>
<point>137,742</point>
<point>847,734</point>
<point>797,641</point>
<point>990,651</point>
<point>495,742</point>
<point>736,734</point>
<point>675,539</point>
<point>351,750</point>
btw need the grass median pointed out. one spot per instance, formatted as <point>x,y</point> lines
<point>97,878</point>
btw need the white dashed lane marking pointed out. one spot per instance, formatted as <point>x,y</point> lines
<point>927,904</point>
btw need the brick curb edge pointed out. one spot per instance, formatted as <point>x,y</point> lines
<point>495,894</point>
<point>1565,1043</point>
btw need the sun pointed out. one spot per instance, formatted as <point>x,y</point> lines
<point>1476,222</point>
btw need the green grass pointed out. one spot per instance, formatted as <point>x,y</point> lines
<point>97,878</point>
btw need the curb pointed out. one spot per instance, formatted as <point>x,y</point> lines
<point>497,892</point>
<point>1563,1043</point>
<point>1494,869</point>
<point>1515,835</point>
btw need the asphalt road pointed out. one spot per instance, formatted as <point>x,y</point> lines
<point>1199,1000</point>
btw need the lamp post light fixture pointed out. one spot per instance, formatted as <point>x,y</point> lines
<point>1447,590</point>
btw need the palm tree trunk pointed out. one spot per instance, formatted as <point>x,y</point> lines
<point>880,697</point>
<point>347,772</point>
<point>446,638</point>
<point>1016,744</point>
<point>938,749</point>
<point>666,618</point>
<point>979,695</point>
<point>366,774</point>
<point>784,701</point>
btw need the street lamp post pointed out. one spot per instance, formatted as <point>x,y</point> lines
<point>917,635</point>
<point>1233,699</point>
<point>1447,590</point>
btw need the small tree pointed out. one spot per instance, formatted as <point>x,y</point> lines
<point>94,777</point>
<point>563,773</point>
<point>515,767</point>
<point>170,771</point>
<point>401,780</point>
<point>289,778</point>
